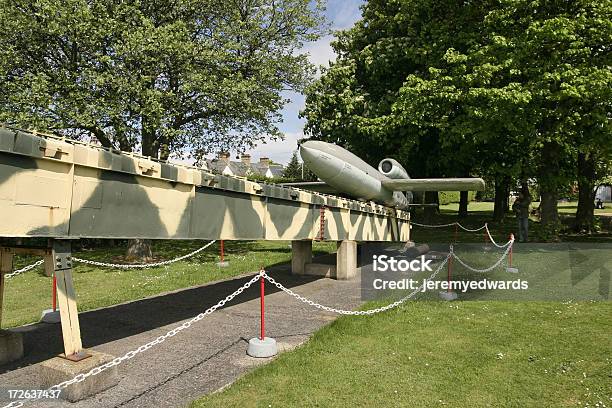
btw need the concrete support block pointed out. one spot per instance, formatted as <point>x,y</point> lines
<point>301,255</point>
<point>318,269</point>
<point>11,346</point>
<point>346,260</point>
<point>58,369</point>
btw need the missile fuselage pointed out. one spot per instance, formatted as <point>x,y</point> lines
<point>348,173</point>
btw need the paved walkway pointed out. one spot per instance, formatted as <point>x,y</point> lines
<point>202,359</point>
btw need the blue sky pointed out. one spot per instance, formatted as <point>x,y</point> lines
<point>341,15</point>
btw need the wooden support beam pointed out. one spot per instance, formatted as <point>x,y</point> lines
<point>49,264</point>
<point>66,296</point>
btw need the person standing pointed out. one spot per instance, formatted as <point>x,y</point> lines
<point>521,210</point>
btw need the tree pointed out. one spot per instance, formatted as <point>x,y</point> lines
<point>296,171</point>
<point>164,77</point>
<point>511,89</point>
<point>160,77</point>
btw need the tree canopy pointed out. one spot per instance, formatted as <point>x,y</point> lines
<point>511,89</point>
<point>161,77</point>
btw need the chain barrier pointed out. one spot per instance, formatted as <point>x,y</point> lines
<point>448,225</point>
<point>133,353</point>
<point>354,312</point>
<point>493,241</point>
<point>25,269</point>
<point>143,266</point>
<point>508,247</point>
<point>118,266</point>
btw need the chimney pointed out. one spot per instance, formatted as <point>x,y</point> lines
<point>224,156</point>
<point>246,159</point>
<point>265,161</point>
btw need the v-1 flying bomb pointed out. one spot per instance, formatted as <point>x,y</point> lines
<point>345,172</point>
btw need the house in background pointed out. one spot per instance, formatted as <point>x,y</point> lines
<point>604,193</point>
<point>245,167</point>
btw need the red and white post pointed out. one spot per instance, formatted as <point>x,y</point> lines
<point>511,268</point>
<point>262,304</point>
<point>262,346</point>
<point>449,294</point>
<point>222,262</point>
<point>52,315</point>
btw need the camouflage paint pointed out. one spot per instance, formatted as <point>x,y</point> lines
<point>59,188</point>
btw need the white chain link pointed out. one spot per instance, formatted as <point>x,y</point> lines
<point>112,265</point>
<point>148,265</point>
<point>25,269</point>
<point>508,247</point>
<point>133,353</point>
<point>354,312</point>
<point>493,241</point>
<point>448,225</point>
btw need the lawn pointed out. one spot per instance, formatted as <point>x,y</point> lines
<point>479,351</point>
<point>546,347</point>
<point>481,212</point>
<point>436,354</point>
<point>549,346</point>
<point>26,295</point>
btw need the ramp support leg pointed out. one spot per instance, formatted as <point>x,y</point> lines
<point>71,332</point>
<point>346,260</point>
<point>301,255</point>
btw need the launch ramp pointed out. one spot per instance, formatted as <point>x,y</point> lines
<point>60,188</point>
<point>63,189</point>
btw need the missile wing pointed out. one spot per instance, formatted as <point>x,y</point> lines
<point>435,184</point>
<point>344,172</point>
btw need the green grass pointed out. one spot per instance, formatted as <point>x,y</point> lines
<point>481,212</point>
<point>486,206</point>
<point>28,294</point>
<point>434,354</point>
<point>519,353</point>
<point>545,347</point>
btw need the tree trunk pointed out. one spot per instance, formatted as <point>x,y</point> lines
<point>139,250</point>
<point>585,214</point>
<point>431,197</point>
<point>501,198</point>
<point>463,204</point>
<point>548,180</point>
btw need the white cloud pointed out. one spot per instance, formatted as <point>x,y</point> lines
<point>278,151</point>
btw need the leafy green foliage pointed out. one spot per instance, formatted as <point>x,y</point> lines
<point>511,90</point>
<point>296,171</point>
<point>163,77</point>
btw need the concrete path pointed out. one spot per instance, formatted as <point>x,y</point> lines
<point>204,358</point>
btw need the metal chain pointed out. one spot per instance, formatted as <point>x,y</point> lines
<point>353,312</point>
<point>148,265</point>
<point>118,266</point>
<point>493,241</point>
<point>448,225</point>
<point>133,353</point>
<point>508,247</point>
<point>25,269</point>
